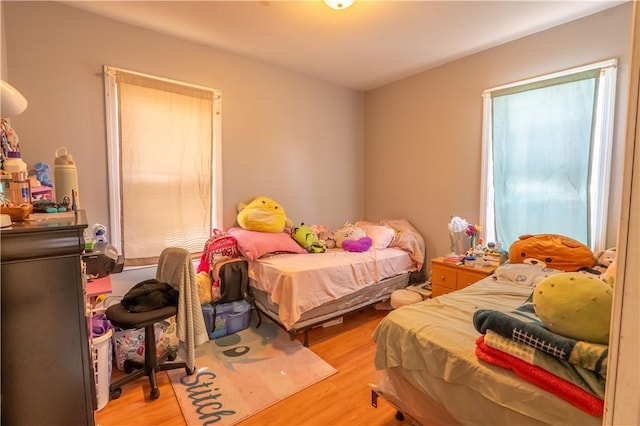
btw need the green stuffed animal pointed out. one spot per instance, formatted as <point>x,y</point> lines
<point>308,239</point>
<point>575,305</point>
<point>262,214</point>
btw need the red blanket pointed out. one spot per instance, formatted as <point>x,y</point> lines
<point>541,378</point>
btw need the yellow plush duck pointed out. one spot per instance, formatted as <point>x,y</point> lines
<point>262,214</point>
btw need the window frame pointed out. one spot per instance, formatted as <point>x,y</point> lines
<point>601,146</point>
<point>114,155</point>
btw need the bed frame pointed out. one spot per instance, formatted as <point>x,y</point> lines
<point>359,300</point>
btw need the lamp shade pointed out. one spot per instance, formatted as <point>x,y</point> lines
<point>339,4</point>
<point>12,102</point>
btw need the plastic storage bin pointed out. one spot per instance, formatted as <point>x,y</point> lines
<point>230,318</point>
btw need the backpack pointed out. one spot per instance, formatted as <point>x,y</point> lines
<point>220,245</point>
<point>231,277</point>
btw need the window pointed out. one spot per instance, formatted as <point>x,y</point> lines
<point>164,164</point>
<point>546,155</point>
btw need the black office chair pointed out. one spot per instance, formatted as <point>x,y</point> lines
<point>120,316</point>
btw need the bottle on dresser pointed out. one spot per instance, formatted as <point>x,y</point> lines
<point>19,190</point>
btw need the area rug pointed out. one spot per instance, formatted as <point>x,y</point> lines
<point>241,374</point>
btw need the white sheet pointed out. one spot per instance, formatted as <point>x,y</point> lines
<point>300,282</point>
<point>433,343</point>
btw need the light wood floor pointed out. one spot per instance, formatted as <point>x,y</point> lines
<point>342,399</point>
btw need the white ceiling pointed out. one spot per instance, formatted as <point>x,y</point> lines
<point>372,43</point>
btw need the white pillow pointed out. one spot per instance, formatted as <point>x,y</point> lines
<point>381,236</point>
<point>523,274</point>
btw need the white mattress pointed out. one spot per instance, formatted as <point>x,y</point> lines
<point>298,283</point>
<point>432,345</point>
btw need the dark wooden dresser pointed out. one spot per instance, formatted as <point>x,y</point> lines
<point>47,374</point>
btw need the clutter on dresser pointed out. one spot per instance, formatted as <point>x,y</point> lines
<point>102,260</point>
<point>13,166</point>
<point>65,177</point>
<point>100,257</point>
<point>16,196</point>
<point>12,103</point>
<point>23,190</point>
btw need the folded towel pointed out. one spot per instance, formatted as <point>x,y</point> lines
<point>175,266</point>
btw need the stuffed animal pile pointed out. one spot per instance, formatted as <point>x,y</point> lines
<point>575,303</point>
<point>263,214</point>
<point>325,235</point>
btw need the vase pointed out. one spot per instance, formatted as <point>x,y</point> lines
<point>473,240</point>
<point>453,238</point>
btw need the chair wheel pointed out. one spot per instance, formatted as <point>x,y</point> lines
<point>190,371</point>
<point>115,394</point>
<point>155,393</point>
<point>172,356</point>
<point>399,416</point>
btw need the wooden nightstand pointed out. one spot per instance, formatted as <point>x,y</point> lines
<point>447,277</point>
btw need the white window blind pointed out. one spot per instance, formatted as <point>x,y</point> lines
<point>546,155</point>
<point>164,162</point>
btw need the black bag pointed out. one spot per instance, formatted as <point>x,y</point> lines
<point>232,278</point>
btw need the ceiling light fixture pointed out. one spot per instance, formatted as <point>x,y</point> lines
<point>339,4</point>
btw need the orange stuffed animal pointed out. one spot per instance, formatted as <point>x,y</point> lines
<point>555,251</point>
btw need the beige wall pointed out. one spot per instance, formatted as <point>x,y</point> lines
<point>424,133</point>
<point>293,138</point>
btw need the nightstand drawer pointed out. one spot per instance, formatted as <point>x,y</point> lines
<point>437,290</point>
<point>466,278</point>
<point>443,277</point>
<point>447,276</point>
